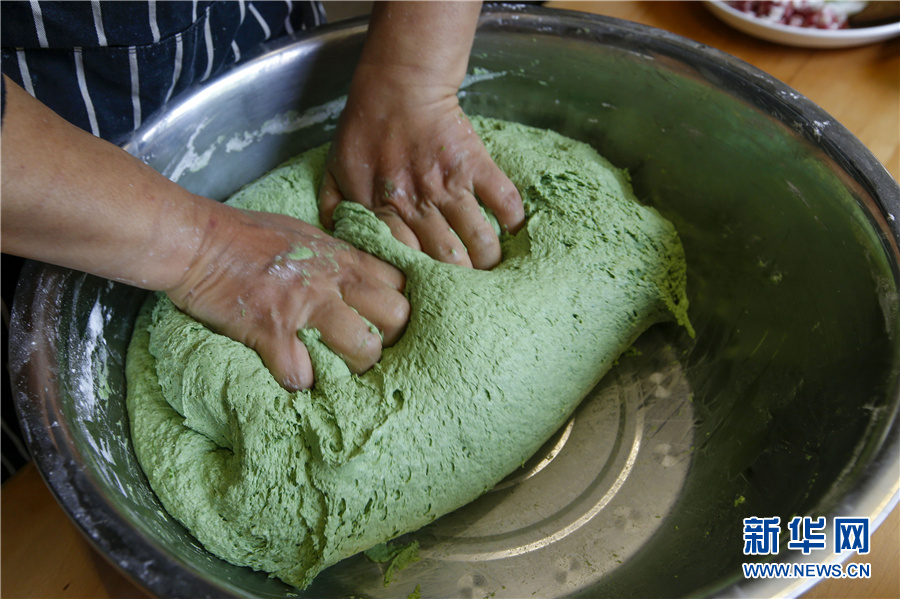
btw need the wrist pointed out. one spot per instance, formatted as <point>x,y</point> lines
<point>380,90</point>
<point>418,44</point>
<point>196,246</point>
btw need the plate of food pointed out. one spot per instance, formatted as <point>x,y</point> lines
<point>812,23</point>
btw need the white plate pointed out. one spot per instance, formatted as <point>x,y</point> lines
<point>804,37</point>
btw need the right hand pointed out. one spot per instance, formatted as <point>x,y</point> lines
<point>260,277</point>
<point>74,200</point>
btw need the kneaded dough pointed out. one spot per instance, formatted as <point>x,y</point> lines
<point>490,365</point>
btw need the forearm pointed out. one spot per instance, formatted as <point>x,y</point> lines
<point>425,44</point>
<point>405,149</point>
<point>74,200</point>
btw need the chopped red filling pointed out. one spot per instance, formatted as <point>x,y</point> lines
<point>796,13</point>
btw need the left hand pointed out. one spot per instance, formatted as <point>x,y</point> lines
<point>422,170</point>
<point>404,148</point>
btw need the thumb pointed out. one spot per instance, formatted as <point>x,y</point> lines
<point>329,197</point>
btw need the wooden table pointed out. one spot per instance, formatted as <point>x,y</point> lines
<point>43,555</point>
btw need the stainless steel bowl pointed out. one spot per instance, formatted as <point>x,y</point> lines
<point>785,404</point>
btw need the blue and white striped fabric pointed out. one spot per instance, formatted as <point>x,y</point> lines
<point>107,65</point>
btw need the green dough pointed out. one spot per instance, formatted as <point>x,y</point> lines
<point>396,557</point>
<point>490,365</point>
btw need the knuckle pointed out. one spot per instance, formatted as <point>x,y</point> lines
<point>508,197</point>
<point>388,211</point>
<point>399,313</point>
<point>455,256</point>
<point>484,238</point>
<point>369,353</point>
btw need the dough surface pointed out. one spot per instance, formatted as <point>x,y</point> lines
<point>491,364</point>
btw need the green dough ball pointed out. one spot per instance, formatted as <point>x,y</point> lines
<point>491,364</point>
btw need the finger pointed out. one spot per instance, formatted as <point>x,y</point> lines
<point>287,359</point>
<point>399,228</point>
<point>470,224</point>
<point>385,273</point>
<point>494,189</point>
<point>384,307</point>
<point>346,334</point>
<point>438,239</point>
<point>329,197</point>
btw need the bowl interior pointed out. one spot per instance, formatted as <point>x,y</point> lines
<point>783,405</point>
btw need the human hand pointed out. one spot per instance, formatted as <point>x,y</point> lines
<point>422,170</point>
<point>260,277</point>
<point>404,148</point>
<point>72,199</point>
